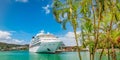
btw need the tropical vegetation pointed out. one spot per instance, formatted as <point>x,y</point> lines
<point>98,21</point>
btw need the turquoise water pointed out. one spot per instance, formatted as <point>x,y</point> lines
<point>26,55</point>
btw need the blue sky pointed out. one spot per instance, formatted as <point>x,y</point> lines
<point>22,19</point>
<point>30,17</point>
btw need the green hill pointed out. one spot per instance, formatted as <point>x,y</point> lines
<point>7,47</point>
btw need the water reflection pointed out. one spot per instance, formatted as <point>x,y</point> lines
<point>60,56</point>
<point>26,55</point>
<point>43,56</point>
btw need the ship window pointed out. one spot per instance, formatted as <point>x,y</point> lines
<point>37,44</point>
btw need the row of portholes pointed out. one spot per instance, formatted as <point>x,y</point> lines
<point>49,39</point>
<point>35,41</point>
<point>36,44</point>
<point>49,44</point>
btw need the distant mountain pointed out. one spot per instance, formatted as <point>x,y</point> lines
<point>7,47</point>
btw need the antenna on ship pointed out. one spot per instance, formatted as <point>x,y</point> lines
<point>48,33</point>
<point>42,31</point>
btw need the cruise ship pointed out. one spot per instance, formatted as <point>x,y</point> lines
<point>42,42</point>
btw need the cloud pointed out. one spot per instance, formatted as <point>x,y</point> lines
<point>23,1</point>
<point>46,8</point>
<point>69,39</point>
<point>5,37</point>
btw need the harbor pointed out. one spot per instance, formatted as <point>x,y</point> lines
<point>59,29</point>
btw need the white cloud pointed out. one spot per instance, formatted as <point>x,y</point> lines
<point>69,39</point>
<point>5,36</point>
<point>24,1</point>
<point>46,8</point>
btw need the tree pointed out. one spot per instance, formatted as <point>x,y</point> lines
<point>99,20</point>
<point>66,11</point>
<point>104,15</point>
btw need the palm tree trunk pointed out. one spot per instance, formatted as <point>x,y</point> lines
<point>113,53</point>
<point>77,44</point>
<point>108,49</point>
<point>101,54</point>
<point>74,27</point>
<point>92,55</point>
<point>108,54</point>
<point>83,37</point>
<point>112,44</point>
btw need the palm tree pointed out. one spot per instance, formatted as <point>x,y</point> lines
<point>66,11</point>
<point>98,18</point>
<point>97,11</point>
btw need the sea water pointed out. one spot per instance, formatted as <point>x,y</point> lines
<point>26,55</point>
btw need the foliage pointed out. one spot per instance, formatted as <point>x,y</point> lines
<point>98,20</point>
<point>67,11</point>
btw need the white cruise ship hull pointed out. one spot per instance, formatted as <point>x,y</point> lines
<point>46,46</point>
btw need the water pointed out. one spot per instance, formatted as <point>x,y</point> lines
<point>26,55</point>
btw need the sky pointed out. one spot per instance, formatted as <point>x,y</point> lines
<point>22,19</point>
